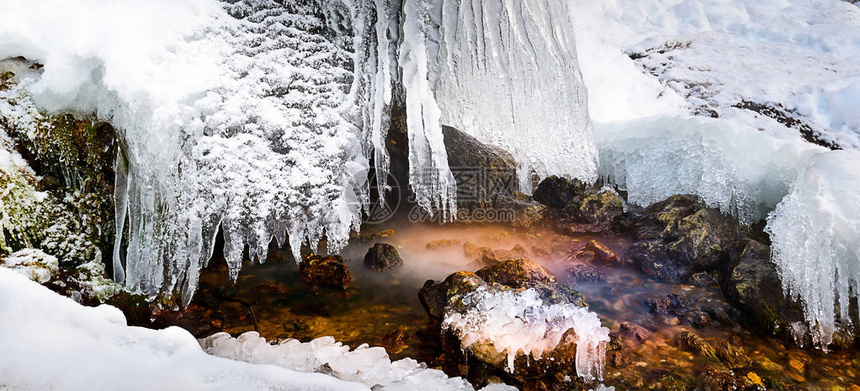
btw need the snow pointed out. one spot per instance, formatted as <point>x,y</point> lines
<point>51,342</point>
<point>370,366</point>
<point>519,322</point>
<point>816,243</point>
<point>801,54</point>
<point>32,263</point>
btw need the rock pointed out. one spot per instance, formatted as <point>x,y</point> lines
<point>666,304</point>
<point>472,250</point>
<point>680,236</point>
<point>595,211</point>
<point>754,287</point>
<point>633,332</point>
<point>482,360</point>
<point>328,271</point>
<point>271,288</point>
<point>692,342</point>
<point>483,173</point>
<point>493,257</point>
<point>516,273</point>
<point>732,355</point>
<point>602,253</point>
<point>704,280</point>
<point>556,192</point>
<point>382,257</point>
<point>434,295</point>
<point>444,244</point>
<point>585,273</point>
<point>395,341</point>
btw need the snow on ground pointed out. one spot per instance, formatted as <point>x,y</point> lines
<point>49,342</point>
<point>800,56</point>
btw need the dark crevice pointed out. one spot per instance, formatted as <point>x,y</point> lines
<point>787,118</point>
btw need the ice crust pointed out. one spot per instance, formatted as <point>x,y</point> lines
<point>519,322</point>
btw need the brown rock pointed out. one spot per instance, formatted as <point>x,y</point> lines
<point>328,271</point>
<point>516,273</point>
<point>602,253</point>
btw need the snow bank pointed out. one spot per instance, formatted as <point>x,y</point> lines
<point>32,263</point>
<point>50,342</point>
<point>366,365</point>
<point>802,55</point>
<point>816,240</point>
<point>519,322</point>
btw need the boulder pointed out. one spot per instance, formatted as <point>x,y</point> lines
<point>382,257</point>
<point>577,207</point>
<point>516,273</point>
<point>754,287</point>
<point>681,236</point>
<point>328,271</point>
<point>585,273</point>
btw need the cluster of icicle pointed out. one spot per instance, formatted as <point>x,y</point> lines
<point>262,117</point>
<point>519,322</point>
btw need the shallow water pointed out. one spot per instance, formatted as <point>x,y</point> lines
<point>383,309</point>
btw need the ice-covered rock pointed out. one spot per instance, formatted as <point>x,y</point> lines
<point>816,241</point>
<point>33,263</point>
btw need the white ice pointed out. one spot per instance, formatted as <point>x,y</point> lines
<point>519,322</point>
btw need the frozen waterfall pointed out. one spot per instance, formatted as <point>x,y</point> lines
<point>263,117</point>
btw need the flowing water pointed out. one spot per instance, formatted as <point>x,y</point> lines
<point>383,308</point>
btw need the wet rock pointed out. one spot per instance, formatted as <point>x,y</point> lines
<point>516,273</point>
<point>434,295</point>
<point>593,212</point>
<point>444,244</point>
<point>602,253</point>
<point>633,332</point>
<point>328,271</point>
<point>666,304</point>
<point>382,257</point>
<point>471,250</point>
<point>732,355</point>
<point>704,280</point>
<point>719,378</point>
<point>578,207</point>
<point>556,192</point>
<point>754,287</point>
<point>493,257</point>
<point>483,173</point>
<point>395,341</point>
<point>482,360</point>
<point>692,342</point>
<point>585,273</point>
<point>680,236</point>
<point>271,288</point>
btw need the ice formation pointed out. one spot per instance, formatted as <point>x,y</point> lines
<point>262,117</point>
<point>370,366</point>
<point>506,73</point>
<point>519,322</point>
<point>734,168</point>
<point>816,245</point>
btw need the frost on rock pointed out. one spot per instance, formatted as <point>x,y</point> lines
<point>519,322</point>
<point>504,72</point>
<point>33,263</point>
<point>370,366</point>
<point>815,232</point>
<point>734,168</point>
